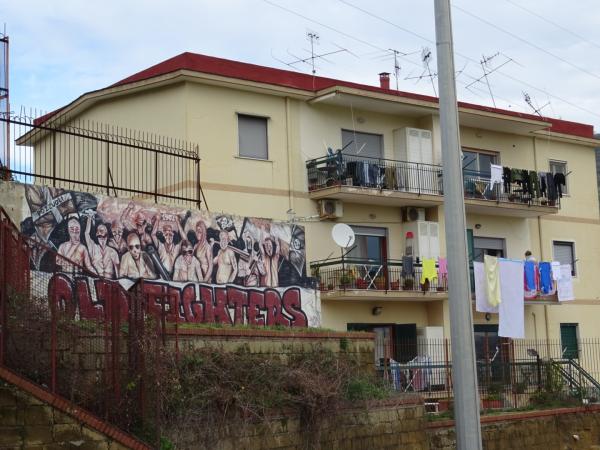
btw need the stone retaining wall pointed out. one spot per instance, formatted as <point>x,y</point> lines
<point>395,425</point>
<point>562,429</point>
<point>33,418</point>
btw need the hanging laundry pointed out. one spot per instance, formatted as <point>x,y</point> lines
<point>559,182</point>
<point>555,265</point>
<point>493,279</point>
<point>481,298</point>
<point>407,266</point>
<point>512,306</point>
<point>542,182</point>
<point>552,195</point>
<point>565,284</point>
<point>534,183</point>
<point>442,268</point>
<point>526,181</point>
<point>546,284</point>
<point>506,178</point>
<point>517,176</point>
<point>531,279</point>
<point>390,178</point>
<point>428,270</point>
<point>495,176</point>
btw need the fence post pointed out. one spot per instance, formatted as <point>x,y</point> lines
<point>52,343</point>
<point>53,158</point>
<point>108,168</point>
<point>3,307</point>
<point>198,194</point>
<point>155,176</point>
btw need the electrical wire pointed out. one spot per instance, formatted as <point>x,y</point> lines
<point>557,25</point>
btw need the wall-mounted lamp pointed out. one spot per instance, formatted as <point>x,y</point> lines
<point>377,310</point>
<point>488,316</point>
<point>477,226</point>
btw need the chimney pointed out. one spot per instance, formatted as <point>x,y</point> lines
<point>384,80</point>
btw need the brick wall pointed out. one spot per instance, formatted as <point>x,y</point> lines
<point>563,429</point>
<point>32,418</point>
<point>384,426</point>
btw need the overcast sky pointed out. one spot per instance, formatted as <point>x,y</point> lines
<point>549,49</point>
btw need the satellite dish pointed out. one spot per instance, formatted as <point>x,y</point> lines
<point>343,235</point>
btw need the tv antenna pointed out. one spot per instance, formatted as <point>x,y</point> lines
<point>529,101</point>
<point>426,57</point>
<point>396,63</point>
<point>487,69</point>
<point>314,39</point>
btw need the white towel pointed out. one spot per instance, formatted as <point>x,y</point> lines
<point>565,284</point>
<point>555,265</point>
<point>496,176</point>
<point>481,298</point>
<point>512,293</point>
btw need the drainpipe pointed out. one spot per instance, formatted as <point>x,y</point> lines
<point>541,242</point>
<point>289,154</point>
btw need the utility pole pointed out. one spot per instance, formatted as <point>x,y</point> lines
<point>466,400</point>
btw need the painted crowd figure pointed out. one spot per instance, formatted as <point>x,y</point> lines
<point>113,239</point>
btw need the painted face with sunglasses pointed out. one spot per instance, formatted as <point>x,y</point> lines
<point>134,246</point>
<point>187,250</point>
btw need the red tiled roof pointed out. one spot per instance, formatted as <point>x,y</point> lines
<point>286,78</point>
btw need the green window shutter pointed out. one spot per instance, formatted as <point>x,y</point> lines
<point>568,340</point>
<point>470,248</point>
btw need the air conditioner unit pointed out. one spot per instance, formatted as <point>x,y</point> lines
<point>412,214</point>
<point>330,209</point>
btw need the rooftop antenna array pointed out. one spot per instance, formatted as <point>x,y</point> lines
<point>426,57</point>
<point>314,39</point>
<point>529,101</point>
<point>487,69</point>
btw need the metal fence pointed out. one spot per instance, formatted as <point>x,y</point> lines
<point>510,373</point>
<point>380,173</point>
<point>82,337</point>
<point>84,155</point>
<point>388,275</point>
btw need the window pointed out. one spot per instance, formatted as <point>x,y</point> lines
<point>568,340</point>
<point>362,144</point>
<point>252,132</point>
<point>370,243</point>
<point>477,163</point>
<point>565,253</point>
<point>560,167</point>
<point>487,246</point>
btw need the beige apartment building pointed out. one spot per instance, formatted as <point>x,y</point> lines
<point>263,136</point>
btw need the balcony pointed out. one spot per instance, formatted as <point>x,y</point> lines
<point>364,279</point>
<point>510,200</point>
<point>379,181</point>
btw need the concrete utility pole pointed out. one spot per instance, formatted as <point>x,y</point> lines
<point>464,374</point>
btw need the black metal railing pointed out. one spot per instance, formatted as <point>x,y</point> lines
<point>510,373</point>
<point>349,170</point>
<point>477,185</point>
<point>82,155</point>
<point>388,275</point>
<point>340,169</point>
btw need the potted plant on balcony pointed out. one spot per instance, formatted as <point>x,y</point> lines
<point>361,284</point>
<point>395,285</point>
<point>346,280</point>
<point>380,283</point>
<point>492,400</point>
<point>408,284</point>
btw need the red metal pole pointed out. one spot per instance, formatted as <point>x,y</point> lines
<point>53,343</point>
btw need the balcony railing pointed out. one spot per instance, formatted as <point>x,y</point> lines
<point>477,185</point>
<point>416,178</point>
<point>389,275</point>
<point>380,173</point>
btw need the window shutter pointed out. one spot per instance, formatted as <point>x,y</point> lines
<point>252,133</point>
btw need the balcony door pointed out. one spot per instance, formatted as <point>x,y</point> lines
<point>478,163</point>
<point>370,244</point>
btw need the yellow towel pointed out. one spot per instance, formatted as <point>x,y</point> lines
<point>492,277</point>
<point>429,271</point>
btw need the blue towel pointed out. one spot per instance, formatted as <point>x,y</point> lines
<point>530,275</point>
<point>546,277</point>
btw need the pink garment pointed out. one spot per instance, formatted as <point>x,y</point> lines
<point>442,267</point>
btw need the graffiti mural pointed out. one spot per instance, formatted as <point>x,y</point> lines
<point>195,253</point>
